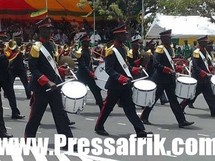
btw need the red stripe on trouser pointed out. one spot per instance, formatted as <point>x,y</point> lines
<point>102,111</point>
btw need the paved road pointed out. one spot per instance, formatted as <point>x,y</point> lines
<point>117,125</point>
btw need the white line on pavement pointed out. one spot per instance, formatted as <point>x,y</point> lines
<point>163,129</point>
<point>119,123</point>
<point>89,119</point>
<point>9,128</point>
<point>6,108</point>
<point>203,135</point>
<point>62,157</point>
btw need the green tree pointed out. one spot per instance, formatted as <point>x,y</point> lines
<point>204,8</point>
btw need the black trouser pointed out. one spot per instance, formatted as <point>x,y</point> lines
<point>96,91</point>
<point>206,90</point>
<point>41,100</point>
<point>7,86</point>
<point>21,73</point>
<point>125,96</point>
<point>174,104</point>
<point>2,125</point>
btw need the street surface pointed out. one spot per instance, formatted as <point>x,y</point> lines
<point>117,125</point>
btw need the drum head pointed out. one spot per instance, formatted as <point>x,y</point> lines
<point>213,79</point>
<point>101,76</point>
<point>187,80</point>
<point>145,85</point>
<point>74,89</point>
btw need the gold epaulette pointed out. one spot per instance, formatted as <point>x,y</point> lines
<point>130,54</point>
<point>7,53</point>
<point>196,53</point>
<point>159,49</point>
<point>109,51</point>
<point>35,49</point>
<point>78,53</point>
<point>149,52</point>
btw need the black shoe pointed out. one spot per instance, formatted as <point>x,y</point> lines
<point>143,134</point>
<point>71,123</point>
<point>29,96</point>
<point>17,116</point>
<point>185,123</point>
<point>164,102</point>
<point>212,114</point>
<point>191,105</point>
<point>102,132</point>
<point>5,135</point>
<point>146,122</point>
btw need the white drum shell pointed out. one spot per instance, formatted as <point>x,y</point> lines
<point>144,95</point>
<point>213,84</point>
<point>185,87</point>
<point>74,96</point>
<point>101,76</point>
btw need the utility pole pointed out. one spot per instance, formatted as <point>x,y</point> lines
<point>142,21</point>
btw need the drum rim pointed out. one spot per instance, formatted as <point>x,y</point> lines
<point>187,83</point>
<point>73,98</point>
<point>146,90</point>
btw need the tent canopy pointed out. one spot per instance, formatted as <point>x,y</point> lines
<point>57,9</point>
<point>182,26</point>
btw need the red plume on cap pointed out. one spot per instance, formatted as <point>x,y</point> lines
<point>166,33</point>
<point>202,38</point>
<point>120,29</point>
<point>46,22</point>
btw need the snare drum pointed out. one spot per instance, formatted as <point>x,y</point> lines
<point>144,93</point>
<point>101,76</point>
<point>213,84</point>
<point>74,96</point>
<point>185,87</point>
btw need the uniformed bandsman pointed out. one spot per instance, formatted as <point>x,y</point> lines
<point>46,75</point>
<point>119,84</point>
<point>164,77</point>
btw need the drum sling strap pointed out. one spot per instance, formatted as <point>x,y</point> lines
<point>50,60</point>
<point>122,62</point>
<point>204,60</point>
<point>169,58</point>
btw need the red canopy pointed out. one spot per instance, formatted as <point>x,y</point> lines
<point>22,9</point>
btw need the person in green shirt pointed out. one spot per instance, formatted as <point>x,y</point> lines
<point>186,50</point>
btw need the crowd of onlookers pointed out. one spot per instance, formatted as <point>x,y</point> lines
<point>64,31</point>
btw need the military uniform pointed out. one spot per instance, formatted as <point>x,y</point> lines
<point>164,77</point>
<point>117,90</point>
<point>7,86</point>
<point>85,72</point>
<point>44,77</point>
<point>4,78</point>
<point>16,66</point>
<point>202,73</point>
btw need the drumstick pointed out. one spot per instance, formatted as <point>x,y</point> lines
<point>66,64</point>
<point>141,77</point>
<point>60,84</point>
<point>73,74</point>
<point>187,69</point>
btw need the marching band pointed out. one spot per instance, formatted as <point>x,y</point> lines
<point>113,67</point>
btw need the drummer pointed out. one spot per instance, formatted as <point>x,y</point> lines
<point>119,85</point>
<point>164,77</point>
<point>202,63</point>
<point>85,69</point>
<point>45,76</point>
